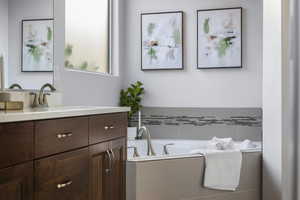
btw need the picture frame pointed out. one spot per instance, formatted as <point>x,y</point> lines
<point>37,52</point>
<point>162,51</point>
<point>219,38</point>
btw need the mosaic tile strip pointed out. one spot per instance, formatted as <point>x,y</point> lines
<point>158,120</point>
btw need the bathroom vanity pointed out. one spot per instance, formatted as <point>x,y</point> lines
<point>66,153</point>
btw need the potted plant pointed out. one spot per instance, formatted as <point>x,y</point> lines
<point>132,97</point>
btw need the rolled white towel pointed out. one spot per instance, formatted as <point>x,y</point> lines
<point>221,144</point>
<point>247,144</point>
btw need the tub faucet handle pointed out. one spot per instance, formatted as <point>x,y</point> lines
<point>135,151</point>
<point>165,150</point>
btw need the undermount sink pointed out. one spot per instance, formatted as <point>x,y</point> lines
<point>54,99</point>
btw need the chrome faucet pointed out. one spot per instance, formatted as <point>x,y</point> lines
<point>15,86</point>
<point>144,130</point>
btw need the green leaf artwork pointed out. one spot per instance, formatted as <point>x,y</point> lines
<point>37,47</point>
<point>219,38</point>
<point>49,33</point>
<point>224,44</point>
<point>177,36</point>
<point>206,26</point>
<point>151,28</point>
<point>152,53</point>
<point>35,51</point>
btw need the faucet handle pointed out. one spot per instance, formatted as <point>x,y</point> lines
<point>135,151</point>
<point>35,100</point>
<point>45,101</point>
<point>165,149</point>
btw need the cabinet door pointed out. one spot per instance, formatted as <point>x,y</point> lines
<point>16,183</point>
<point>63,177</point>
<point>16,142</point>
<point>118,148</point>
<point>100,168</point>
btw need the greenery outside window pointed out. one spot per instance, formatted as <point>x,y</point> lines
<point>87,35</point>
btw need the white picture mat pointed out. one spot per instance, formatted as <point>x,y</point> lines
<point>38,28</point>
<point>218,18</point>
<point>163,33</point>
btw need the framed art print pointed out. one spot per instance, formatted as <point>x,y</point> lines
<point>162,41</point>
<point>37,45</point>
<point>219,38</point>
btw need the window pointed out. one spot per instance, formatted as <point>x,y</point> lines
<point>87,35</point>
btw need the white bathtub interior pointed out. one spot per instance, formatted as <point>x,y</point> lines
<point>179,148</point>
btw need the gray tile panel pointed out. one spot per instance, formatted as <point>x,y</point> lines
<point>202,123</point>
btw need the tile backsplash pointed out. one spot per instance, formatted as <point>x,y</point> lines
<point>202,123</point>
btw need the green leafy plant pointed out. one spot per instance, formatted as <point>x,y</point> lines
<point>132,97</point>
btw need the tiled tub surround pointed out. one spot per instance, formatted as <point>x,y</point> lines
<point>202,123</point>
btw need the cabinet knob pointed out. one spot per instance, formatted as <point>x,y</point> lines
<point>64,135</point>
<point>63,185</point>
<point>111,127</point>
<point>106,128</point>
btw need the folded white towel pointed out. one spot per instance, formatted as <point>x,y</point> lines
<point>221,144</point>
<point>222,169</point>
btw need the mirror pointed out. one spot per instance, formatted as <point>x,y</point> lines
<point>27,43</point>
<point>87,35</point>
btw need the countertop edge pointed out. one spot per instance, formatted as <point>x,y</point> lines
<point>11,117</point>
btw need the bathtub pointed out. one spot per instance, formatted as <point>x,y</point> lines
<point>179,175</point>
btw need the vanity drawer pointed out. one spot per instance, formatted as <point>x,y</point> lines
<point>16,142</point>
<point>107,127</point>
<point>65,176</point>
<point>55,136</point>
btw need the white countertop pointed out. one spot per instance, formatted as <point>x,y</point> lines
<point>57,112</point>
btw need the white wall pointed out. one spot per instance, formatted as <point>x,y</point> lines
<point>17,11</point>
<point>4,30</point>
<point>278,104</point>
<point>192,87</point>
<point>272,110</point>
<point>81,88</point>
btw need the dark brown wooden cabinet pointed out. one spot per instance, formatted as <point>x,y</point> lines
<point>108,170</point>
<point>63,177</point>
<point>16,183</point>
<point>118,173</point>
<point>80,158</point>
<point>100,171</point>
<point>16,143</point>
<point>107,127</point>
<point>55,136</point>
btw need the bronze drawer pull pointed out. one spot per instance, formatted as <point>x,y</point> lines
<point>64,135</point>
<point>111,127</point>
<point>106,128</point>
<point>63,185</point>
